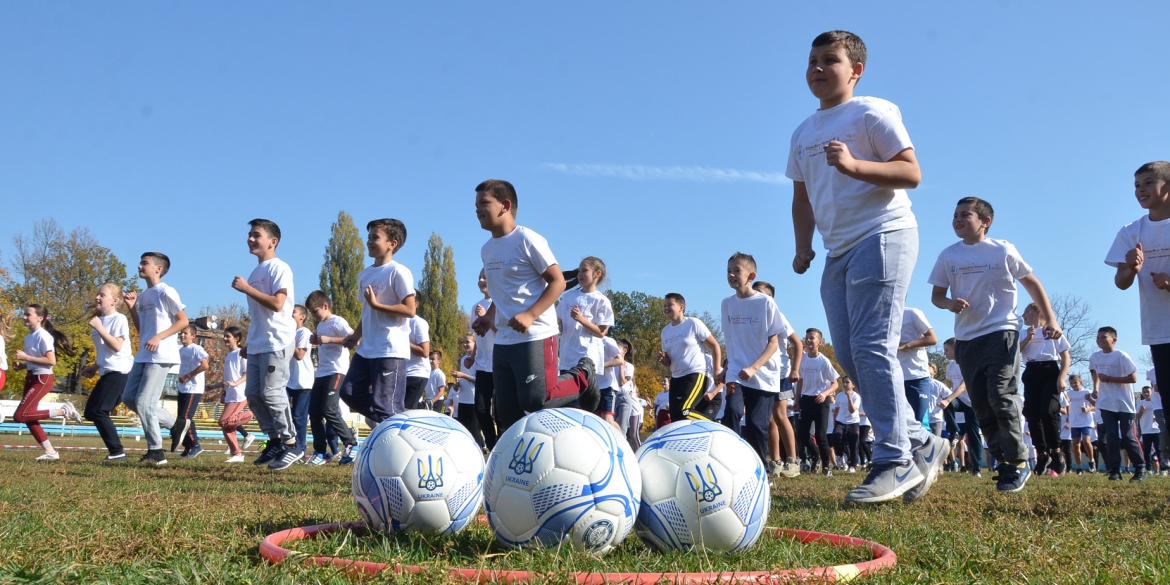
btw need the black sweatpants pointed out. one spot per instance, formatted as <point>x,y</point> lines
<point>1042,404</point>
<point>688,398</point>
<point>324,413</point>
<point>850,436</point>
<point>416,387</point>
<point>1118,432</point>
<point>466,415</point>
<point>102,401</point>
<point>188,406</point>
<point>734,409</point>
<point>527,380</point>
<point>485,391</point>
<point>757,406</point>
<point>814,417</point>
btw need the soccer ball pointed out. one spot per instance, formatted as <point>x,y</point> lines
<point>419,470</point>
<point>702,485</point>
<point>562,474</point>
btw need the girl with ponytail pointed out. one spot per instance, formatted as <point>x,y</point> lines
<point>38,358</point>
<point>110,331</point>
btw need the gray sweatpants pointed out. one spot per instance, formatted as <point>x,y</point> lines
<point>267,398</point>
<point>990,364</point>
<point>144,388</point>
<point>864,293</point>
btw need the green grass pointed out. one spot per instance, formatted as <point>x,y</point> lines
<point>81,520</point>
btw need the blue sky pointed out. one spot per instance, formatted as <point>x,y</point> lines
<point>653,135</point>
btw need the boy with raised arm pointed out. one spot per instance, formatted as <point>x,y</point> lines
<point>850,164</point>
<point>270,344</point>
<point>524,281</point>
<point>981,275</point>
<point>332,363</point>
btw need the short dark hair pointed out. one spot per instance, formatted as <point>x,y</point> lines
<point>393,229</point>
<point>500,190</point>
<point>980,206</point>
<point>436,351</point>
<point>854,46</point>
<point>302,309</point>
<point>235,331</point>
<point>815,330</point>
<point>950,342</point>
<point>1109,330</point>
<point>191,328</point>
<point>745,258</point>
<point>160,259</point>
<point>676,298</point>
<point>1159,168</point>
<point>268,226</point>
<point>764,287</point>
<point>316,299</point>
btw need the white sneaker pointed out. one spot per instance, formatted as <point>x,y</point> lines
<point>71,412</point>
<point>49,456</point>
<point>235,459</point>
<point>852,470</point>
<point>248,441</point>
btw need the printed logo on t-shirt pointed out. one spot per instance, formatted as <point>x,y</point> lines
<point>817,148</point>
<point>966,269</point>
<point>742,319</point>
<point>261,283</point>
<point>1152,253</point>
<point>493,265</point>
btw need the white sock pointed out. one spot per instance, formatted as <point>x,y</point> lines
<point>48,447</point>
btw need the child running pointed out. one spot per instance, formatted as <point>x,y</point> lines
<point>683,339</point>
<point>193,362</point>
<point>1045,374</point>
<point>37,360</point>
<point>332,363</point>
<point>111,337</point>
<point>485,386</point>
<point>1114,375</point>
<point>301,375</point>
<point>1080,421</point>
<point>418,367</point>
<point>818,384</point>
<point>781,435</point>
<point>234,417</point>
<point>464,377</point>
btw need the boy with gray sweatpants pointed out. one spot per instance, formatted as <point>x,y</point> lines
<point>270,339</point>
<point>159,316</point>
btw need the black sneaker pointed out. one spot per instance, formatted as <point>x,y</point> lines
<point>586,365</point>
<point>1042,461</point>
<point>288,456</point>
<point>1114,476</point>
<point>271,451</point>
<point>177,433</point>
<point>1012,478</point>
<point>185,453</point>
<point>154,457</point>
<point>119,456</point>
<point>1057,463</point>
<point>194,452</point>
<point>1139,476</point>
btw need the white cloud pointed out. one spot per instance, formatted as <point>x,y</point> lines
<point>695,174</point>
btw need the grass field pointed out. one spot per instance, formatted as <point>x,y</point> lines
<point>81,520</point>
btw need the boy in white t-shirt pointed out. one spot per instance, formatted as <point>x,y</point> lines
<point>847,414</point>
<point>1080,421</point>
<point>332,363</point>
<point>485,386</point>
<point>1114,375</point>
<point>418,367</point>
<point>683,339</point>
<point>524,280</point>
<point>981,273</point>
<point>375,384</point>
<point>159,316</point>
<point>1045,374</point>
<point>781,435</point>
<point>271,335</point>
<point>300,378</point>
<point>850,164</point>
<point>1148,429</point>
<point>436,389</point>
<point>817,385</point>
<point>917,335</point>
<point>958,397</point>
<point>585,317</point>
<point>753,328</point>
<point>234,417</point>
<point>193,362</point>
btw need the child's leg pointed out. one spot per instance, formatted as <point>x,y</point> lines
<point>851,438</point>
<point>485,391</point>
<point>233,417</point>
<point>1129,440</point>
<point>298,404</point>
<point>757,412</point>
<point>735,411</point>
<point>821,420</point>
<point>864,293</point>
<point>918,395</point>
<point>466,417</point>
<point>560,390</point>
<point>632,431</point>
<point>866,454</point>
<point>388,379</point>
<point>317,413</point>
<point>415,389</point>
<point>265,391</point>
<point>992,361</point>
<point>104,398</point>
<point>355,386</point>
<point>508,409</point>
<point>36,386</point>
<point>153,378</point>
<point>685,392</point>
<point>191,439</point>
<point>1109,431</point>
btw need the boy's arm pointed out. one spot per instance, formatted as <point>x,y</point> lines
<point>1127,272</point>
<point>423,349</point>
<point>945,402</point>
<point>179,325</point>
<point>352,339</point>
<point>202,367</point>
<point>1065,362</point>
<point>927,340</point>
<point>273,302</point>
<point>716,356</point>
<point>131,298</point>
<point>852,405</point>
<point>405,309</point>
<point>803,223</point>
<point>1036,291</point>
<point>940,299</point>
<point>1096,384</point>
<point>900,172</point>
<point>769,350</point>
<point>485,322</point>
<point>664,358</point>
<point>832,389</point>
<point>798,345</point>
<point>555,286</point>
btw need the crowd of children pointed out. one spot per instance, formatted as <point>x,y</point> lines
<point>541,337</point>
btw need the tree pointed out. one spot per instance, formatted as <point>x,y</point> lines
<point>62,272</point>
<point>1074,316</point>
<point>638,317</point>
<point>344,260</point>
<point>439,299</point>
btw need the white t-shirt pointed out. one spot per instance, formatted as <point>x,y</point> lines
<point>915,363</point>
<point>860,409</point>
<point>38,344</point>
<point>1039,349</point>
<point>842,403</point>
<point>122,360</point>
<point>514,265</point>
<point>1065,427</point>
<point>1111,396</point>
<point>300,372</point>
<point>985,276</point>
<point>661,402</point>
<point>1155,395</point>
<point>1078,399</point>
<point>606,377</point>
<point>1154,237</point>
<point>385,335</point>
<point>747,324</point>
<point>683,343</point>
<point>816,374</point>
<point>3,355</point>
<point>848,210</point>
<point>234,367</point>
<point>333,358</point>
<point>484,344</point>
<point>437,380</point>
<point>575,342</point>
<point>190,356</point>
<point>271,330</point>
<point>157,307</point>
<point>466,387</point>
<point>1146,423</point>
<point>419,366</point>
<point>955,375</point>
<point>938,392</point>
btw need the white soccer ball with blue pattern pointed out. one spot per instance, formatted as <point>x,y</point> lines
<point>421,471</point>
<point>702,486</point>
<point>562,474</point>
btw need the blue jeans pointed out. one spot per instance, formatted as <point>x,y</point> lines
<point>144,388</point>
<point>918,395</point>
<point>298,403</point>
<point>864,293</point>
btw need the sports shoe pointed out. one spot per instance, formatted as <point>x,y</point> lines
<point>120,455</point>
<point>1080,471</point>
<point>71,412</point>
<point>929,458</point>
<point>347,455</point>
<point>318,459</point>
<point>49,456</point>
<point>851,469</point>
<point>1056,463</point>
<point>790,468</point>
<point>288,456</point>
<point>586,365</point>
<point>235,459</point>
<point>827,472</point>
<point>154,457</point>
<point>186,450</point>
<point>885,482</point>
<point>177,437</point>
<point>1139,476</point>
<point>248,440</point>
<point>1012,478</point>
<point>271,452</point>
<point>1114,476</point>
<point>194,452</point>
<point>1042,461</point>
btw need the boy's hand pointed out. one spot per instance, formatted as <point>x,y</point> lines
<point>1061,384</point>
<point>662,357</point>
<point>183,379</point>
<point>521,322</point>
<point>481,325</point>
<point>349,342</point>
<point>958,306</point>
<point>1161,280</point>
<point>803,260</point>
<point>747,373</point>
<point>1052,331</point>
<point>314,340</point>
<point>130,297</point>
<point>821,398</point>
<point>1135,258</point>
<point>371,296</point>
<point>152,343</point>
<point>241,284</point>
<point>479,311</point>
<point>89,371</point>
<point>837,155</point>
<point>794,377</point>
